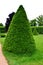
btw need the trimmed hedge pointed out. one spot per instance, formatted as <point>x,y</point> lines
<point>19,39</point>
<point>2,35</point>
<point>39,29</point>
<point>2,29</point>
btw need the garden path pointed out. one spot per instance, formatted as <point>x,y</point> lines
<point>3,60</point>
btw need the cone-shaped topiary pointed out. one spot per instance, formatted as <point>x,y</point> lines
<point>19,38</point>
<point>35,31</point>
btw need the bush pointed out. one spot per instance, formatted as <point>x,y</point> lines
<point>1,24</point>
<point>19,39</point>
<point>2,29</point>
<point>2,34</point>
<point>35,31</point>
<point>39,29</point>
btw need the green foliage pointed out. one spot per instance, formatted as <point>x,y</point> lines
<point>1,24</point>
<point>2,35</point>
<point>39,29</point>
<point>2,29</point>
<point>40,20</point>
<point>33,22</point>
<point>19,39</point>
<point>35,31</point>
<point>35,59</point>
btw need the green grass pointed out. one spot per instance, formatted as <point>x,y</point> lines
<point>2,40</point>
<point>36,59</point>
<point>39,42</point>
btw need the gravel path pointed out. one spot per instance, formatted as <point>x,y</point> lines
<point>3,60</point>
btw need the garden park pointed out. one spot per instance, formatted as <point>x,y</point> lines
<point>22,44</point>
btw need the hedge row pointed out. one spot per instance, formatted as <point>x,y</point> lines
<point>2,29</point>
<point>2,35</point>
<point>39,29</point>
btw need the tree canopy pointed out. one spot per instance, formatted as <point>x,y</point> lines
<point>8,21</point>
<point>40,20</point>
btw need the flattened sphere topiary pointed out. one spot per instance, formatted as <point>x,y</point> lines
<point>19,39</point>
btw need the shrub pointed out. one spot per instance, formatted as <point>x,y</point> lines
<point>39,29</point>
<point>2,29</point>
<point>35,31</point>
<point>1,24</point>
<point>19,39</point>
<point>2,34</point>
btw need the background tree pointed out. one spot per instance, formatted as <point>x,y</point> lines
<point>8,21</point>
<point>40,20</point>
<point>19,39</point>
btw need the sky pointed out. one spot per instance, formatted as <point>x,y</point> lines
<point>33,8</point>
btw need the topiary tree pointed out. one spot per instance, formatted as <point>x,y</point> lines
<point>19,39</point>
<point>35,32</point>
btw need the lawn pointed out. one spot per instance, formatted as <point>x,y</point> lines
<point>36,59</point>
<point>2,40</point>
